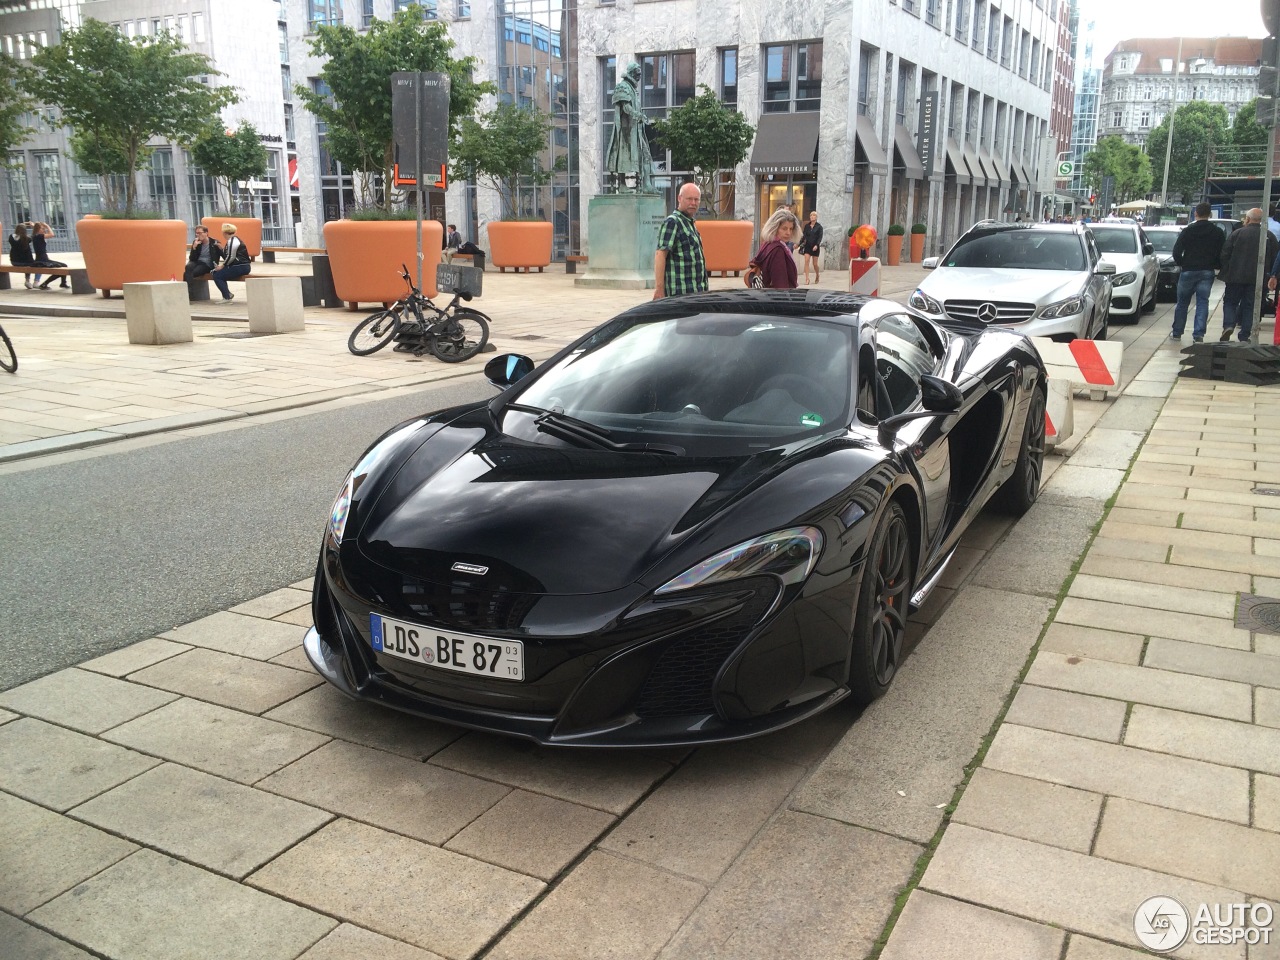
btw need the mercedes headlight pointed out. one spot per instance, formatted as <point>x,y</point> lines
<point>1063,308</point>
<point>1123,279</point>
<point>923,302</point>
<point>341,508</point>
<point>788,554</point>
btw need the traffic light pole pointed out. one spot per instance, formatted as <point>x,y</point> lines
<point>1263,268</point>
<point>1266,110</point>
<point>1168,150</point>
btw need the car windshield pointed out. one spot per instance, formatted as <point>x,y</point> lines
<point>1163,240</point>
<point>1116,239</point>
<point>1017,250</point>
<point>709,384</point>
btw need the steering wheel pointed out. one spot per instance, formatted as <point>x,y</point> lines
<point>803,391</point>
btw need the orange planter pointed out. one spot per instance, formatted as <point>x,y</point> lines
<point>519,244</point>
<point>917,247</point>
<point>726,244</point>
<point>248,229</point>
<point>365,257</point>
<point>117,252</point>
<point>894,242</point>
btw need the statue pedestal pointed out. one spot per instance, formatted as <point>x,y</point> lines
<point>622,236</point>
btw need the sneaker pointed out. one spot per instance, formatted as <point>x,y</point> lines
<point>1175,335</point>
<point>28,284</point>
<point>1226,334</point>
<point>228,298</point>
<point>1197,339</point>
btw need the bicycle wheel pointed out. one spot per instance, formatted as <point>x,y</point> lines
<point>8,356</point>
<point>462,337</point>
<point>373,333</point>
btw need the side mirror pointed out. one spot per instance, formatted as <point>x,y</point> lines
<point>940,396</point>
<point>1148,248</point>
<point>504,370</point>
<point>929,263</point>
<point>1105,269</point>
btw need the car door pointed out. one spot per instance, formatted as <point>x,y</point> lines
<point>1099,286</point>
<point>1150,262</point>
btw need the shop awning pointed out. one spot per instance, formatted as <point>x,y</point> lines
<point>870,148</point>
<point>1020,175</point>
<point>786,143</point>
<point>905,157</point>
<point>1002,170</point>
<point>976,171</point>
<point>989,166</point>
<point>956,166</point>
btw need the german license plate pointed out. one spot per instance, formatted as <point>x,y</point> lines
<point>459,652</point>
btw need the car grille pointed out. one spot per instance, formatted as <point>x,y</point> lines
<point>680,683</point>
<point>465,607</point>
<point>1006,312</point>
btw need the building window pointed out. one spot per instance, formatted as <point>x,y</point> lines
<point>866,76</point>
<point>197,28</point>
<point>16,189</point>
<point>428,7</point>
<point>729,76</point>
<point>993,34</point>
<point>666,81</point>
<point>286,81</point>
<point>1006,44</point>
<point>792,77</point>
<point>50,179</point>
<point>1146,119</point>
<point>933,12</point>
<point>366,15</point>
<point>979,23</point>
<point>962,20</point>
<point>906,73</point>
<point>323,13</point>
<point>910,7</point>
<point>160,180</point>
<point>1115,118</point>
<point>202,191</point>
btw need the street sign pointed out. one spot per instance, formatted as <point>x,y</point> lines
<point>1066,168</point>
<point>428,93</point>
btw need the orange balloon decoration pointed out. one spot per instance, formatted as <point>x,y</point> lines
<point>864,238</point>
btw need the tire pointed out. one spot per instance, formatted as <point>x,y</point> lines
<point>462,337</point>
<point>8,356</point>
<point>1102,332</point>
<point>373,333</point>
<point>880,620</point>
<point>1150,305</point>
<point>1020,491</point>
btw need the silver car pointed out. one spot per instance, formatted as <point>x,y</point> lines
<point>1040,279</point>
<point>1133,288</point>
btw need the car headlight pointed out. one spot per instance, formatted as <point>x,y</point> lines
<point>341,507</point>
<point>922,301</point>
<point>1063,308</point>
<point>789,554</point>
<point>1123,279</point>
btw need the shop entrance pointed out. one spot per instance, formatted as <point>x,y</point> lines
<point>777,189</point>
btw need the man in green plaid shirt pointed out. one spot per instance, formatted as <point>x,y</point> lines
<point>679,265</point>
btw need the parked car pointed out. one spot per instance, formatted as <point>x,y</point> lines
<point>1227,225</point>
<point>1163,239</point>
<point>1133,288</point>
<point>707,519</point>
<point>1041,279</point>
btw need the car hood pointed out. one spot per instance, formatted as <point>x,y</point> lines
<point>1125,262</point>
<point>547,519</point>
<point>1040,287</point>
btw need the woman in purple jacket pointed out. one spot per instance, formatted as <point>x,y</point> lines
<point>774,258</point>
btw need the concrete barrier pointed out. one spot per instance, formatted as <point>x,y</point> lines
<point>275,304</point>
<point>864,276</point>
<point>157,311</point>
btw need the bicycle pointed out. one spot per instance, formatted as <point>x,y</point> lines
<point>452,334</point>
<point>8,356</point>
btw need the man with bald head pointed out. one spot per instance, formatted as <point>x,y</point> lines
<point>1240,273</point>
<point>679,266</point>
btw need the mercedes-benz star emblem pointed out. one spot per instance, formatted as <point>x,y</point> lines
<point>988,312</point>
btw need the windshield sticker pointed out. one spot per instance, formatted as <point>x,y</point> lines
<point>810,420</point>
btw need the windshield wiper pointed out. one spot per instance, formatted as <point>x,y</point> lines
<point>573,430</point>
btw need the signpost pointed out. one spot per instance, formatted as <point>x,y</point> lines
<point>927,137</point>
<point>420,131</point>
<point>1066,169</point>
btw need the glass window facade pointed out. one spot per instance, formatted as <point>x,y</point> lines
<point>49,174</point>
<point>792,77</point>
<point>164,194</point>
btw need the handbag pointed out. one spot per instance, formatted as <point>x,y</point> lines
<point>754,277</point>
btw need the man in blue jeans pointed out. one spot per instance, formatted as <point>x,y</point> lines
<point>1197,251</point>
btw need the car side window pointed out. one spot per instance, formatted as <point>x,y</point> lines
<point>1093,254</point>
<point>903,356</point>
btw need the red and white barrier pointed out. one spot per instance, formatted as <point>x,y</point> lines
<point>864,276</point>
<point>1059,414</point>
<point>1092,365</point>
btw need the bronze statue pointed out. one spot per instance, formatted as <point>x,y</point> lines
<point>628,154</point>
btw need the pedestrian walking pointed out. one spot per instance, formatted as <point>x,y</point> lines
<point>774,258</point>
<point>235,260</point>
<point>1239,271</point>
<point>679,266</point>
<point>205,252</point>
<point>20,254</point>
<point>1198,251</point>
<point>41,233</point>
<point>811,247</point>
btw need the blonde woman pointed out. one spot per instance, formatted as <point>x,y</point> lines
<point>235,261</point>
<point>811,247</point>
<point>774,258</point>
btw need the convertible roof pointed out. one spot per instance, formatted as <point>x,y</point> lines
<point>778,303</point>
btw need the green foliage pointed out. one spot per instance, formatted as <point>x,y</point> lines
<point>896,230</point>
<point>1112,157</point>
<point>706,137</point>
<point>501,147</point>
<point>357,70</point>
<point>229,156</point>
<point>117,94</point>
<point>1245,130</point>
<point>1196,127</point>
<point>134,214</point>
<point>919,228</point>
<point>14,104</point>
<point>379,213</point>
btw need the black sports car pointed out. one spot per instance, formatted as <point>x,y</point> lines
<point>705,520</point>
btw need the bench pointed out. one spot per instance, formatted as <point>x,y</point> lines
<point>518,269</point>
<point>477,260</point>
<point>78,275</point>
<point>571,262</point>
<point>269,253</point>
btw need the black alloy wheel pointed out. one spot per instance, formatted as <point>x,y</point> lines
<point>1021,490</point>
<point>880,620</point>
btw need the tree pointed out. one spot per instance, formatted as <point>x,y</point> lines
<point>14,105</point>
<point>1130,167</point>
<point>706,137</point>
<point>501,147</point>
<point>355,105</point>
<point>231,155</point>
<point>117,94</point>
<point>1245,130</point>
<point>1196,127</point>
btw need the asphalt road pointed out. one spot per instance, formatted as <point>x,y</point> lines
<point>102,552</point>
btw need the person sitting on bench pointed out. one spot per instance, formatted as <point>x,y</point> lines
<point>205,252</point>
<point>41,232</point>
<point>235,259</point>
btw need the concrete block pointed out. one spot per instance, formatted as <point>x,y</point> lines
<point>275,305</point>
<point>1204,738</point>
<point>85,701</point>
<point>1066,712</point>
<point>236,682</point>
<point>1031,809</point>
<point>944,929</point>
<point>158,312</point>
